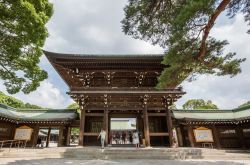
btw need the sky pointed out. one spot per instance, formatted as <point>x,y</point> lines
<point>93,27</point>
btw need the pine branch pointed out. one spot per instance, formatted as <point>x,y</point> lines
<point>209,26</point>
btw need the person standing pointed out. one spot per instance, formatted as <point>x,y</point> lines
<point>130,137</point>
<point>102,134</point>
<point>124,137</point>
<point>136,139</point>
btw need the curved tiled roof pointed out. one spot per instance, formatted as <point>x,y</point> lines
<point>213,115</point>
<point>37,114</point>
<point>106,56</point>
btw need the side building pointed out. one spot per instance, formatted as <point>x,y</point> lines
<point>37,120</point>
<point>229,128</point>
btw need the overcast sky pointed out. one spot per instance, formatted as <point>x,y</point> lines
<point>93,26</point>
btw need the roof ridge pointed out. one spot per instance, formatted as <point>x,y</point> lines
<point>103,55</point>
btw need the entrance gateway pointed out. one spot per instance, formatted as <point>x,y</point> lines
<point>109,87</point>
<point>121,131</point>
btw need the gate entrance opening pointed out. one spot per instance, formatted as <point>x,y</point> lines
<point>121,130</point>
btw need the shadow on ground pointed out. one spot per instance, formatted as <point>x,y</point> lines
<point>111,162</point>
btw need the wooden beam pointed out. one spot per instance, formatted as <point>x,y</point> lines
<point>146,127</point>
<point>156,114</point>
<point>93,114</point>
<point>158,134</point>
<point>91,134</point>
<point>139,92</point>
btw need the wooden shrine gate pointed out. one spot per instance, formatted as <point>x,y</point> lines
<point>123,85</point>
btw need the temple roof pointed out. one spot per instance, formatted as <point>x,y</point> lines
<point>103,56</point>
<point>20,115</point>
<point>238,114</point>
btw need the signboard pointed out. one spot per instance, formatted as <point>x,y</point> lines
<point>203,134</point>
<point>23,133</point>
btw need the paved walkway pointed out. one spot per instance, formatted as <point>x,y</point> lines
<point>8,161</point>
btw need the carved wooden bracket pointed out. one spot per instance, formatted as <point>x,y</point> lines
<point>108,76</point>
<point>140,76</point>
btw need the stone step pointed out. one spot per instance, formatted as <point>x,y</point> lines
<point>125,153</point>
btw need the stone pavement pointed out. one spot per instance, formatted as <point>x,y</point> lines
<point>61,161</point>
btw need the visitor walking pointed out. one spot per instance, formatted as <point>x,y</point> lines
<point>136,139</point>
<point>102,134</point>
<point>130,137</point>
<point>124,137</point>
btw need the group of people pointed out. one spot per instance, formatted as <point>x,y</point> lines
<point>121,138</point>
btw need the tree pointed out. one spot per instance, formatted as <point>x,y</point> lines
<point>22,35</point>
<point>15,103</point>
<point>173,106</point>
<point>182,28</point>
<point>75,131</point>
<point>245,104</point>
<point>74,106</point>
<point>199,104</point>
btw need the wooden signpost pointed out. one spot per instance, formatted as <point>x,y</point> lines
<point>205,136</point>
<point>23,133</point>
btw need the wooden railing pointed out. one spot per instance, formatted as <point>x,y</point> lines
<point>13,143</point>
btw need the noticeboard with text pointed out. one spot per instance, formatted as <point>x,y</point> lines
<point>23,133</point>
<point>203,134</point>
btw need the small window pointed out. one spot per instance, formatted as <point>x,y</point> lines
<point>246,132</point>
<point>228,131</point>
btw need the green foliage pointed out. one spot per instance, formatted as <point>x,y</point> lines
<point>75,131</point>
<point>74,106</point>
<point>15,103</point>
<point>244,104</point>
<point>173,106</point>
<point>199,104</point>
<point>22,35</point>
<point>182,28</point>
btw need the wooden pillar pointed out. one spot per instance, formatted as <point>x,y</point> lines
<point>216,137</point>
<point>48,137</point>
<point>60,137</point>
<point>183,136</point>
<point>241,139</point>
<point>169,125</point>
<point>146,126</point>
<point>65,136</point>
<point>106,125</point>
<point>68,136</point>
<point>180,137</point>
<point>191,136</point>
<point>35,134</point>
<point>82,125</point>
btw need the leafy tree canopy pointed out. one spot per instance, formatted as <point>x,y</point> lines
<point>22,35</point>
<point>15,103</point>
<point>182,28</point>
<point>74,106</point>
<point>245,104</point>
<point>173,106</point>
<point>199,104</point>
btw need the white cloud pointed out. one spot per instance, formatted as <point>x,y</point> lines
<point>47,96</point>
